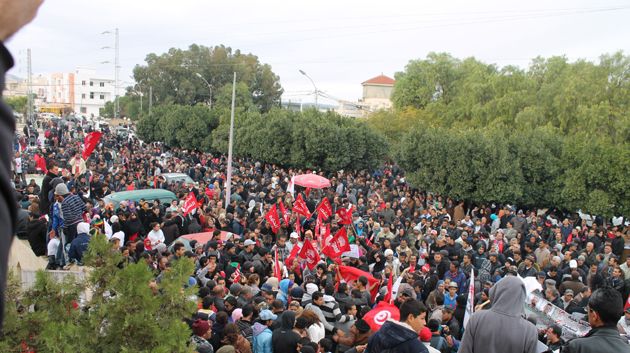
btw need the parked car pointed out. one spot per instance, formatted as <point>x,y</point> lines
<point>165,196</point>
<point>202,238</point>
<point>173,178</point>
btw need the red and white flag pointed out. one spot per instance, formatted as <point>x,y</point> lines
<point>299,206</point>
<point>190,204</point>
<point>382,312</point>
<point>338,244</point>
<point>345,216</point>
<point>90,142</point>
<point>273,219</point>
<point>324,209</point>
<point>309,253</point>
<point>470,306</point>
<point>285,214</point>
<point>625,307</point>
<point>294,252</point>
<point>298,225</point>
<point>389,297</point>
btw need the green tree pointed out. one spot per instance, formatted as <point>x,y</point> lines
<point>17,103</point>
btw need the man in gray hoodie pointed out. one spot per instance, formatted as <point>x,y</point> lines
<point>502,328</point>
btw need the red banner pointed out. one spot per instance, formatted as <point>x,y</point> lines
<point>294,252</point>
<point>351,274</point>
<point>324,209</point>
<point>299,206</point>
<point>345,215</point>
<point>338,244</point>
<point>285,214</point>
<point>309,253</point>
<point>190,204</point>
<point>90,142</point>
<point>382,312</point>
<point>273,219</point>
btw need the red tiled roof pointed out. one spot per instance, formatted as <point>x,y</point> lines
<point>380,80</point>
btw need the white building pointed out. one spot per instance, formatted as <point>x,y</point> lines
<point>377,93</point>
<point>82,91</point>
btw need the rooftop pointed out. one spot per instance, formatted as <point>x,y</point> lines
<point>380,80</point>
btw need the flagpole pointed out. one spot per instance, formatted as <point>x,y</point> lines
<point>228,188</point>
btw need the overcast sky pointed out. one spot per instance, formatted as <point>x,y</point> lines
<point>338,43</point>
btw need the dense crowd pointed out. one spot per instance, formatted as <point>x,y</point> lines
<point>249,302</point>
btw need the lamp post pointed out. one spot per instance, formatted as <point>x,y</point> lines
<point>209,88</point>
<point>315,87</point>
<point>228,188</point>
<point>116,69</point>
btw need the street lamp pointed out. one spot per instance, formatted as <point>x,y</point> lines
<point>209,88</point>
<point>316,90</point>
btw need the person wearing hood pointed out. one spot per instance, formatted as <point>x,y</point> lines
<point>262,332</point>
<point>283,294</point>
<point>284,339</point>
<point>80,244</point>
<point>401,336</point>
<point>493,330</point>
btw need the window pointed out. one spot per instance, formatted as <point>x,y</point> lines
<point>82,95</point>
<point>83,110</point>
<point>83,83</point>
<point>102,96</point>
<point>91,83</point>
<point>91,95</point>
<point>102,84</point>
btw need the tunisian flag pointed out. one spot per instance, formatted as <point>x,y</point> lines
<point>299,206</point>
<point>285,214</point>
<point>351,274</point>
<point>273,219</point>
<point>309,253</point>
<point>190,204</point>
<point>324,209</point>
<point>382,312</point>
<point>338,244</point>
<point>90,142</point>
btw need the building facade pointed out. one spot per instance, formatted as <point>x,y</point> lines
<point>377,92</point>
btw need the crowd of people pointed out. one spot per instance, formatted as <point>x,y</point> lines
<point>255,293</point>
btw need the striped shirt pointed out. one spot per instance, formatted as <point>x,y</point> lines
<point>72,208</point>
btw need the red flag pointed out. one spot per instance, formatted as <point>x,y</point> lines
<point>90,142</point>
<point>285,214</point>
<point>345,215</point>
<point>351,274</point>
<point>324,208</point>
<point>388,297</point>
<point>155,179</point>
<point>299,206</point>
<point>318,226</point>
<point>294,252</point>
<point>277,272</point>
<point>272,218</point>
<point>382,312</point>
<point>309,253</point>
<point>190,204</point>
<point>338,244</point>
<point>627,304</point>
<point>40,163</point>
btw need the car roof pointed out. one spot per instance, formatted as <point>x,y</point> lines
<point>150,194</point>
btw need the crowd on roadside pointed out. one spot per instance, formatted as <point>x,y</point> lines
<point>248,304</point>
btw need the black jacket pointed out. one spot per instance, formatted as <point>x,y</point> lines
<point>598,340</point>
<point>36,230</point>
<point>393,337</point>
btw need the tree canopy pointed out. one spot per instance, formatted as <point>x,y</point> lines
<point>554,135</point>
<point>173,76</point>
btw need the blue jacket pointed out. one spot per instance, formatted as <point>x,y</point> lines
<point>262,339</point>
<point>78,246</point>
<point>393,337</point>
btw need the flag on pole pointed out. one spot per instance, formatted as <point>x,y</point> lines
<point>273,219</point>
<point>90,142</point>
<point>291,187</point>
<point>345,215</point>
<point>309,253</point>
<point>351,274</point>
<point>190,204</point>
<point>389,298</point>
<point>298,225</point>
<point>285,214</point>
<point>395,288</point>
<point>338,244</point>
<point>471,298</point>
<point>324,208</point>
<point>299,206</point>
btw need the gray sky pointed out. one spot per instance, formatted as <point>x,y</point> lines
<point>338,43</point>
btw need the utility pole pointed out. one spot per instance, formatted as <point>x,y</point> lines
<point>116,70</point>
<point>228,188</point>
<point>150,98</point>
<point>29,88</point>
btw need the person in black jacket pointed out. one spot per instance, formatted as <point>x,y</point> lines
<point>14,14</point>
<point>401,336</point>
<point>36,230</point>
<point>53,172</point>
